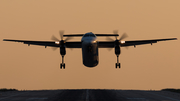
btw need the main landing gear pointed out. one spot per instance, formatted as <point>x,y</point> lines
<point>118,64</point>
<point>62,65</point>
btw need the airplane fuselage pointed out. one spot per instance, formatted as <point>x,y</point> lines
<point>90,50</point>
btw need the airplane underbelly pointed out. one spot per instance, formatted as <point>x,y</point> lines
<point>90,54</point>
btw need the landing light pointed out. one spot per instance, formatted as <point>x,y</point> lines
<point>56,42</point>
<point>122,42</point>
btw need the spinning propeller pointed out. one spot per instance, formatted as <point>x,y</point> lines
<point>120,39</point>
<point>60,42</point>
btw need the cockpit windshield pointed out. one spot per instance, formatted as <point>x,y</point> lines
<point>92,35</point>
<point>89,35</point>
<point>86,35</point>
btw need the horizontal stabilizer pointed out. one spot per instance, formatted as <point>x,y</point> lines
<point>73,35</point>
<point>107,34</point>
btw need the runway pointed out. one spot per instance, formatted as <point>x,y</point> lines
<point>89,95</point>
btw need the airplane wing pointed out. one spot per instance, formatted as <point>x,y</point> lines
<point>47,43</point>
<point>110,44</point>
<point>101,44</point>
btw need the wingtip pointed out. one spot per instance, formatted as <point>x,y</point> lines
<point>4,39</point>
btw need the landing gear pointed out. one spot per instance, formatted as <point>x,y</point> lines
<point>118,64</point>
<point>62,65</point>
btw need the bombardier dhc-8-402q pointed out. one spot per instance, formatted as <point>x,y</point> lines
<point>89,45</point>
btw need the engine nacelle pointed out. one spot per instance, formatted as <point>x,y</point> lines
<point>62,50</point>
<point>117,50</point>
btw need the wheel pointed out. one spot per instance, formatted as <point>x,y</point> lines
<point>116,65</point>
<point>119,65</point>
<point>64,66</point>
<point>60,66</point>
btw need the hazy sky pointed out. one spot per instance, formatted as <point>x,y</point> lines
<point>143,67</point>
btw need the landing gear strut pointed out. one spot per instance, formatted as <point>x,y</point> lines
<point>62,65</point>
<point>118,64</point>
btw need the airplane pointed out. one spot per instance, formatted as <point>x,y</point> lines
<point>89,45</point>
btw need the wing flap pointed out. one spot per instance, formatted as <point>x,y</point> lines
<point>80,35</point>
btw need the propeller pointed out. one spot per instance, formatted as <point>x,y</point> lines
<point>120,39</point>
<point>61,33</point>
<point>54,48</point>
<point>116,32</point>
<point>123,36</point>
<point>54,38</point>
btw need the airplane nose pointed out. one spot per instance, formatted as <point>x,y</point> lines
<point>89,41</point>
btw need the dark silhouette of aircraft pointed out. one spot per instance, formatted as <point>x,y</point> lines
<point>89,45</point>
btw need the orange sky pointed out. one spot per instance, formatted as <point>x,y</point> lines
<point>143,67</point>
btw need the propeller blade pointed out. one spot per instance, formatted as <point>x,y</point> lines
<point>68,38</point>
<point>109,39</point>
<point>123,36</point>
<point>109,49</point>
<point>54,38</point>
<point>54,48</point>
<point>61,33</point>
<point>115,31</point>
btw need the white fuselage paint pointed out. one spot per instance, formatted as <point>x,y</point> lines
<point>90,50</point>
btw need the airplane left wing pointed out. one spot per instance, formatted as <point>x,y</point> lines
<point>111,44</point>
<point>47,43</point>
<point>141,42</point>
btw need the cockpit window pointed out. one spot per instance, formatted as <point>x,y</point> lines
<point>89,35</point>
<point>86,35</point>
<point>92,35</point>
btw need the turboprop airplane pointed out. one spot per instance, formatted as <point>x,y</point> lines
<point>89,45</point>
